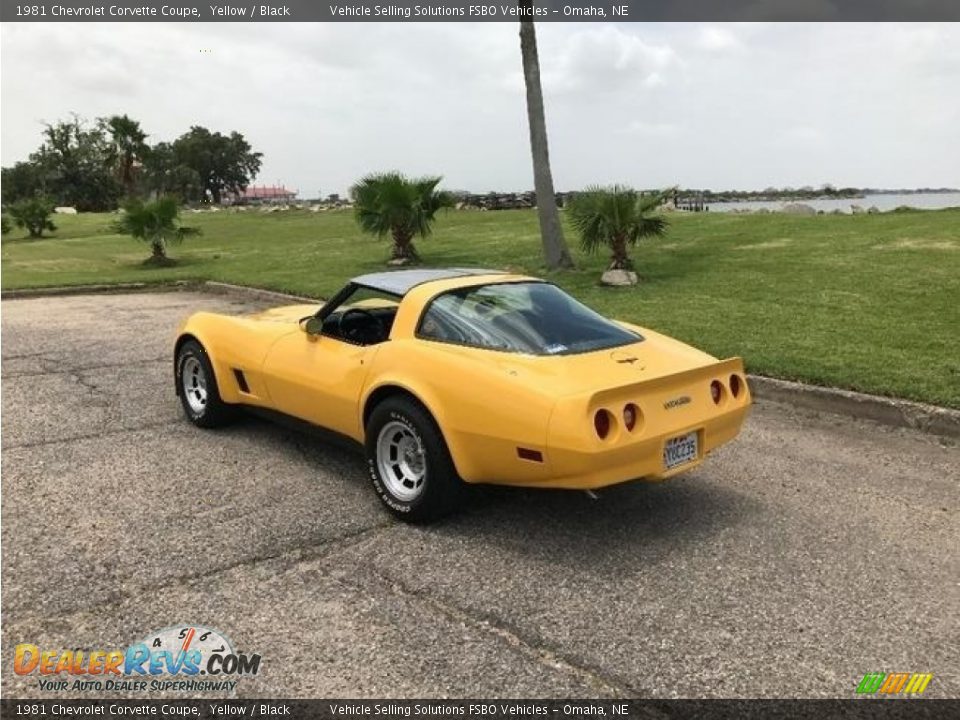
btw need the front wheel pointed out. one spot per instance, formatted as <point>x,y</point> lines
<point>409,463</point>
<point>197,388</point>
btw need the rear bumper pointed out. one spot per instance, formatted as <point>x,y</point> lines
<point>640,458</point>
<point>574,454</point>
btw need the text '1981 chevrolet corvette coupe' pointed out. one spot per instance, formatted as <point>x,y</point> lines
<point>468,376</point>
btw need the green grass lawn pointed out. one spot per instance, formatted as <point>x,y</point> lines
<point>867,302</point>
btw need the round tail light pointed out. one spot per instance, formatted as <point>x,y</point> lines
<point>601,422</point>
<point>630,414</point>
<point>716,391</point>
<point>735,385</point>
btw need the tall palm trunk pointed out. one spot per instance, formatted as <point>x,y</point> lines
<point>158,249</point>
<point>555,250</point>
<point>620,259</point>
<point>403,248</point>
<point>126,174</point>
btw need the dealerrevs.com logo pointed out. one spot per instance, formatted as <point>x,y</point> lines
<point>188,658</point>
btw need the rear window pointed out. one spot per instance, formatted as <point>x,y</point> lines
<point>526,317</point>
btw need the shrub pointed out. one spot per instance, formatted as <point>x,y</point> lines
<point>392,204</point>
<point>34,215</point>
<point>157,223</point>
<point>616,218</point>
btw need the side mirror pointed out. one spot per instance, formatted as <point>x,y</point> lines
<point>312,325</point>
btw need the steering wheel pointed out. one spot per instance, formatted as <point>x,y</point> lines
<point>372,332</point>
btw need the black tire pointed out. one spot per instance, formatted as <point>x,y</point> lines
<point>212,412</point>
<point>441,489</point>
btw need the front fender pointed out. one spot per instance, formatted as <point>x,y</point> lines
<point>197,327</point>
<point>233,342</point>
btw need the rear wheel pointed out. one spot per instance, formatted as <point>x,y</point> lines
<point>197,388</point>
<point>409,463</point>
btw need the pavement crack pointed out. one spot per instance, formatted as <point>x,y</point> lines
<point>54,366</point>
<point>536,651</point>
<point>289,557</point>
<point>89,436</point>
<point>11,376</point>
<point>23,356</point>
<point>92,387</point>
<point>126,363</point>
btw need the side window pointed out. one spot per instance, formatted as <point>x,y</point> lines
<point>477,317</point>
<point>440,320</point>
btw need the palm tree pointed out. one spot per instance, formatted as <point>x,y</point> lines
<point>555,250</point>
<point>403,208</point>
<point>129,146</point>
<point>32,214</point>
<point>157,223</point>
<point>615,217</point>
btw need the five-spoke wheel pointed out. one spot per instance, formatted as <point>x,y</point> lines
<point>409,462</point>
<point>193,383</point>
<point>197,387</point>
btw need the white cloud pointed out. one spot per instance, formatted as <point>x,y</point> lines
<point>802,135</point>
<point>719,39</point>
<point>638,127</point>
<point>591,59</point>
<point>728,105</point>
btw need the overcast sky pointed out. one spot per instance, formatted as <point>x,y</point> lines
<point>718,106</point>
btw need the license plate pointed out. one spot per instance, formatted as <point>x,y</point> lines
<point>680,450</point>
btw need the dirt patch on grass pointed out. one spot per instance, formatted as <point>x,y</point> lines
<point>768,245</point>
<point>919,244</point>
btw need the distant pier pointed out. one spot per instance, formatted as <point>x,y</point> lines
<point>691,203</point>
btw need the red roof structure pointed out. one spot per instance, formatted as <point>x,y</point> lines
<point>263,192</point>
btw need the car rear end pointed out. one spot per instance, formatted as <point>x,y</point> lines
<point>653,428</point>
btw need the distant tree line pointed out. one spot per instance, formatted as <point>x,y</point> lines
<point>94,166</point>
<point>772,193</point>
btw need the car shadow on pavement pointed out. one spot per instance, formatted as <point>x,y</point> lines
<point>310,440</point>
<point>638,517</point>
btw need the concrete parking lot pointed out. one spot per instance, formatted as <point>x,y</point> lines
<point>809,552</point>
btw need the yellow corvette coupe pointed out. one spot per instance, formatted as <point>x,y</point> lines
<point>468,376</point>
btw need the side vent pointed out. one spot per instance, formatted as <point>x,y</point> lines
<point>528,454</point>
<point>241,380</point>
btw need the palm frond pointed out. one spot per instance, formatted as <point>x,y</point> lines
<point>601,214</point>
<point>387,203</point>
<point>157,221</point>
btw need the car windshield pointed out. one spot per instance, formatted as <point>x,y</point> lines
<point>526,317</point>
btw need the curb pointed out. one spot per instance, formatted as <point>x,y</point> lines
<point>104,289</point>
<point>222,288</point>
<point>212,286</point>
<point>887,411</point>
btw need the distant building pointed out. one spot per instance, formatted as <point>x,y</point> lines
<point>264,195</point>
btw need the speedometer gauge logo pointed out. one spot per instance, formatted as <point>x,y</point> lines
<point>190,650</point>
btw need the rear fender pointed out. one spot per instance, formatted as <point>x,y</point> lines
<point>429,399</point>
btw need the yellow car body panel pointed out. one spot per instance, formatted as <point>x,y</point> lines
<point>507,418</point>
